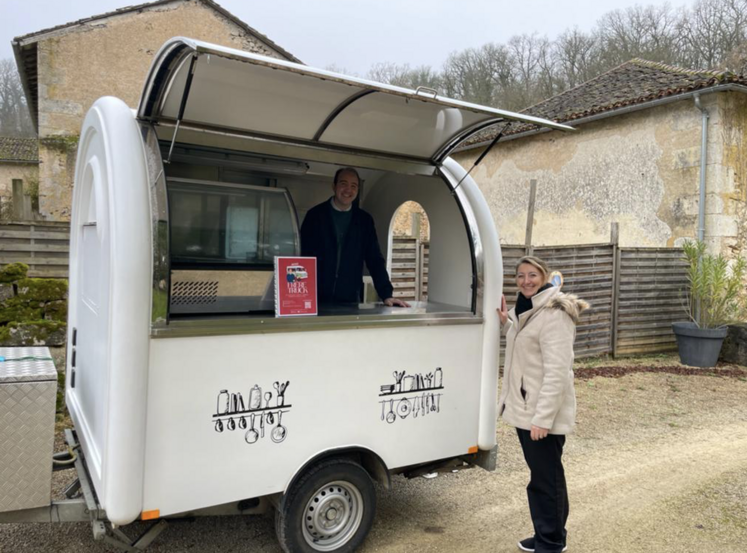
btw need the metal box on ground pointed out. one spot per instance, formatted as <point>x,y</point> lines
<point>28,391</point>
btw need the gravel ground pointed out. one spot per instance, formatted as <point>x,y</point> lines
<point>658,463</point>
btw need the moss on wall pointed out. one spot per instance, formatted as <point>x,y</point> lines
<point>42,289</point>
<point>33,311</point>
<point>55,311</point>
<point>33,333</point>
<point>64,144</point>
<point>13,272</point>
<point>15,309</point>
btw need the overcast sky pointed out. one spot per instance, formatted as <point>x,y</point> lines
<point>354,34</point>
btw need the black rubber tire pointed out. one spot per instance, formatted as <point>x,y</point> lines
<point>290,516</point>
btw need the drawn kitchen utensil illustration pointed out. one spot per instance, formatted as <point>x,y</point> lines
<point>281,392</point>
<point>256,413</point>
<point>383,408</point>
<point>223,402</point>
<point>255,398</point>
<point>398,376</point>
<point>391,417</point>
<point>279,433</point>
<point>251,435</point>
<point>403,408</point>
<point>415,407</point>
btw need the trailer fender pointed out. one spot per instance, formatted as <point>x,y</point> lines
<point>372,462</point>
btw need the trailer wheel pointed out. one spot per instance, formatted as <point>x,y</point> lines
<point>330,508</point>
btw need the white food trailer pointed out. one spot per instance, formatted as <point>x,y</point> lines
<point>188,395</point>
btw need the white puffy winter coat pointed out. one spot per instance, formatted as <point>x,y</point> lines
<point>537,386</point>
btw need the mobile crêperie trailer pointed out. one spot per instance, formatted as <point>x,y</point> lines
<point>188,396</point>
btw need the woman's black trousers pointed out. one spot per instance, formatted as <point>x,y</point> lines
<point>547,493</point>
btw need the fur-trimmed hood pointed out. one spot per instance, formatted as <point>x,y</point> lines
<point>571,304</point>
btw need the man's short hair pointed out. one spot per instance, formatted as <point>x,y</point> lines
<point>346,170</point>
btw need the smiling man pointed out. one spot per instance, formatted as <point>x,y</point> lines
<point>342,237</point>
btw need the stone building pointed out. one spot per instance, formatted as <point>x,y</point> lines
<point>635,159</point>
<point>66,68</point>
<point>19,169</point>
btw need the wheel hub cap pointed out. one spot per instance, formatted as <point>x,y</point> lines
<point>332,516</point>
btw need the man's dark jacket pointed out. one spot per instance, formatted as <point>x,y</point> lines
<point>318,239</point>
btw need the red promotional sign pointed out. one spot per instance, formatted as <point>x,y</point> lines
<point>295,286</point>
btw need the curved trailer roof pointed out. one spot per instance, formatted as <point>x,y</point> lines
<point>201,85</point>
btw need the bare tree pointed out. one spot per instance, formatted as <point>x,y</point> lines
<point>737,59</point>
<point>577,55</point>
<point>650,32</point>
<point>713,29</point>
<point>483,75</point>
<point>549,81</point>
<point>403,75</point>
<point>529,68</point>
<point>14,113</point>
<point>525,55</point>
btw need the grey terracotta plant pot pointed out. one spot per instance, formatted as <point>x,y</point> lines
<point>698,347</point>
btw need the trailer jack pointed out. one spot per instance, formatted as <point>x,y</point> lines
<point>111,535</point>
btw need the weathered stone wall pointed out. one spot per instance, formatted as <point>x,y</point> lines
<point>640,170</point>
<point>28,173</point>
<point>109,57</point>
<point>403,218</point>
<point>730,193</point>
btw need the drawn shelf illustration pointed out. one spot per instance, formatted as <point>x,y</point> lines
<point>415,395</point>
<point>259,415</point>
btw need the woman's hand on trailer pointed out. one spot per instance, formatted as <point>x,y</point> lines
<point>503,310</point>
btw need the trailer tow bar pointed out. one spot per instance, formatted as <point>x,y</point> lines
<point>81,505</point>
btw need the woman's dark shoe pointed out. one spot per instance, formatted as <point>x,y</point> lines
<point>528,545</point>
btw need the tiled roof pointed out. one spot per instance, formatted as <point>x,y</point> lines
<point>25,150</point>
<point>634,82</point>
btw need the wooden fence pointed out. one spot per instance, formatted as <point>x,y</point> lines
<point>409,268</point>
<point>43,246</point>
<point>651,294</point>
<point>635,294</point>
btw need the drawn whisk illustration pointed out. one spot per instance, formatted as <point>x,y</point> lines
<point>406,403</point>
<point>260,414</point>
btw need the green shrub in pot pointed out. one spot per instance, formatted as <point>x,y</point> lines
<point>716,298</point>
<point>717,294</point>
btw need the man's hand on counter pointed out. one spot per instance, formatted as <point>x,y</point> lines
<point>391,302</point>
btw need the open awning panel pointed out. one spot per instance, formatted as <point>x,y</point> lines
<point>203,85</point>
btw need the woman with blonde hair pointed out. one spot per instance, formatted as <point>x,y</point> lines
<point>537,395</point>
